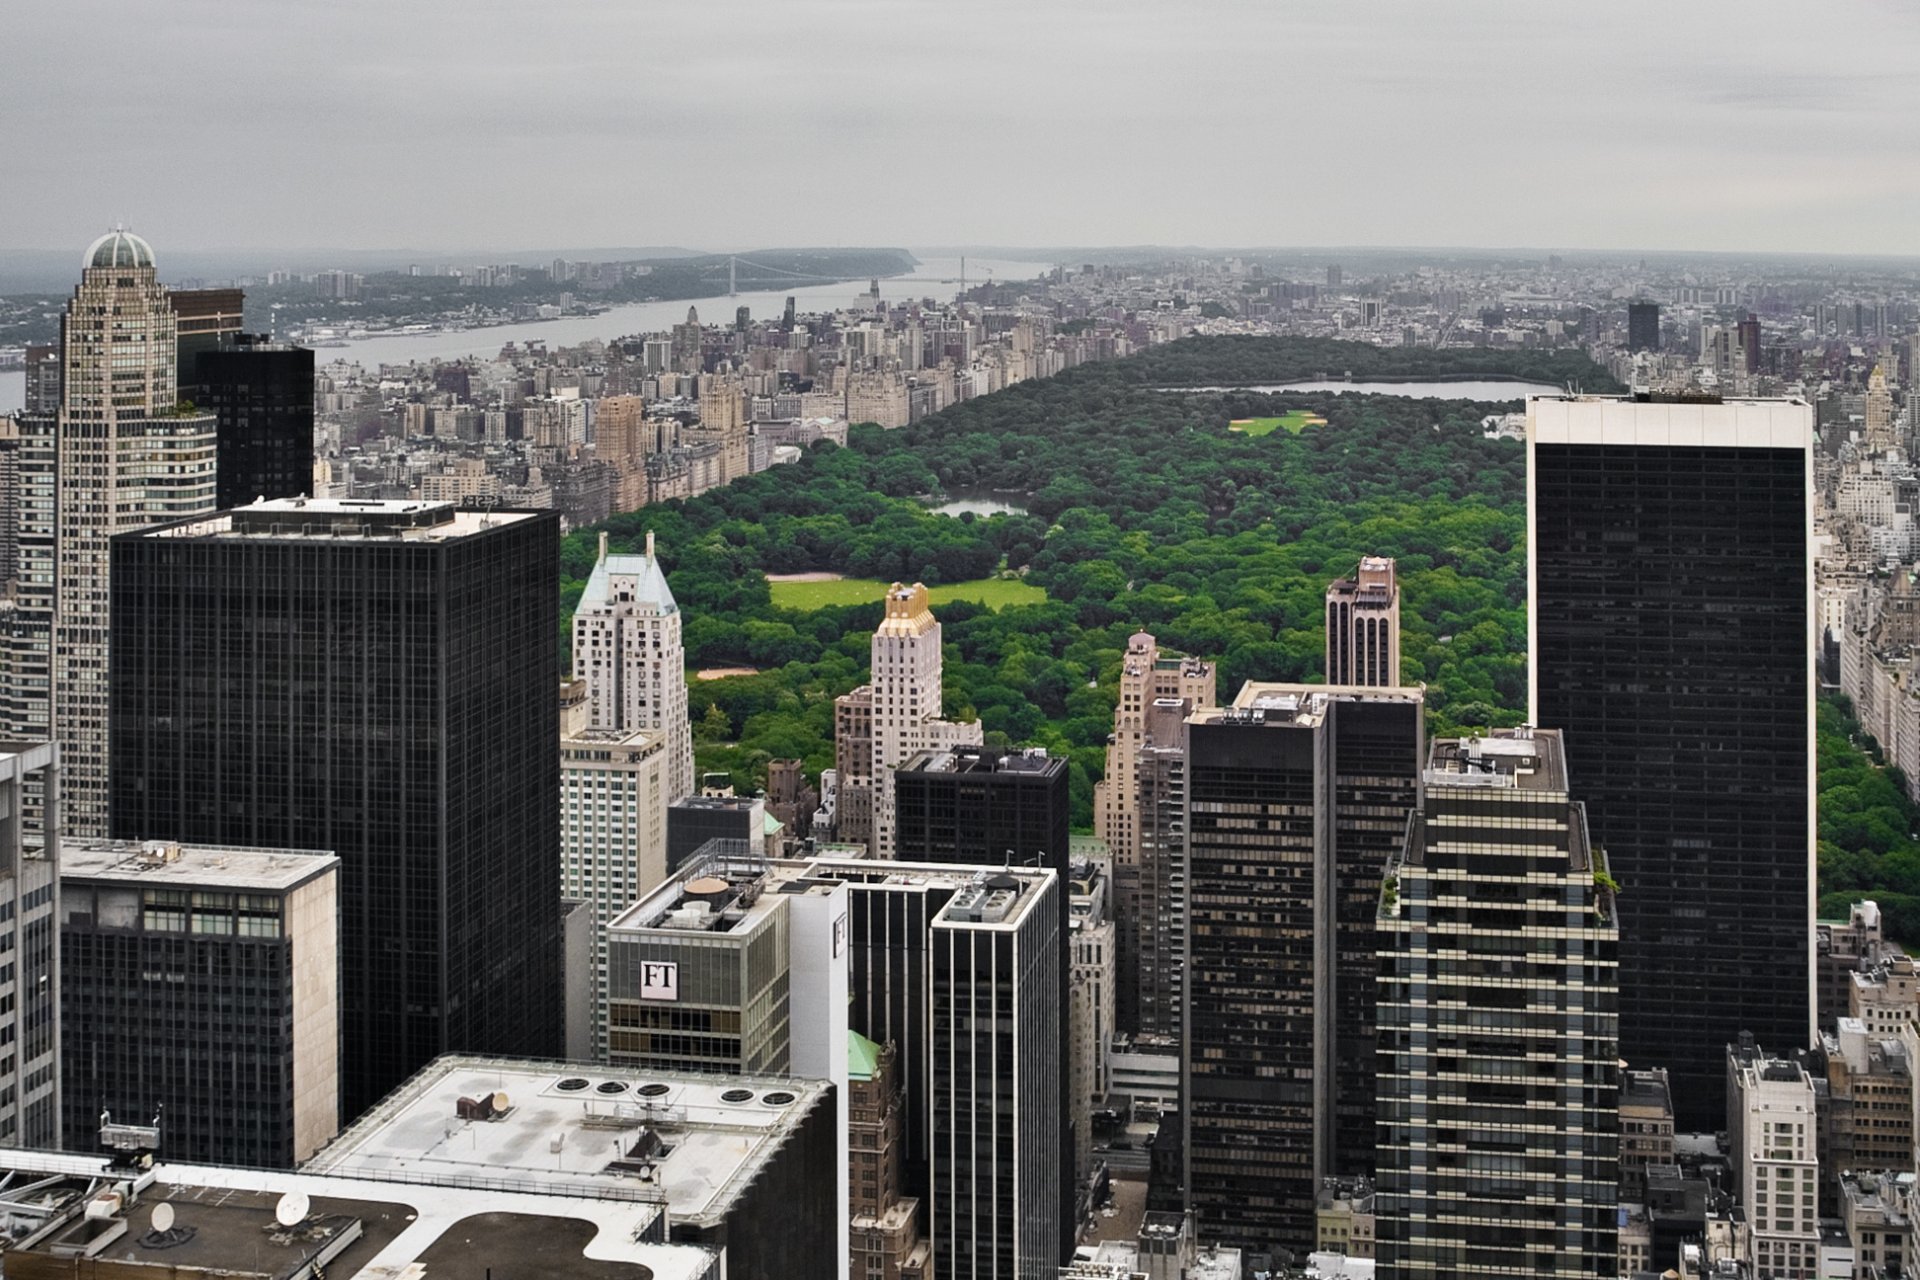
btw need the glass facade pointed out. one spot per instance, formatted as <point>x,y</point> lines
<point>1672,638</point>
<point>261,395</point>
<point>393,699</point>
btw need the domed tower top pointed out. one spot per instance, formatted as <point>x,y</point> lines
<point>119,248</point>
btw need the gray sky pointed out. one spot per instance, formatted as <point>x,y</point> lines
<point>1682,124</point>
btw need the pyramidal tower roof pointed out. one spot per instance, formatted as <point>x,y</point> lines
<point>628,579</point>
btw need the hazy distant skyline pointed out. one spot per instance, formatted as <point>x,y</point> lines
<point>1706,126</point>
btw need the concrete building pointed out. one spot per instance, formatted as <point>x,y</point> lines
<point>1091,984</point>
<point>613,833</point>
<point>1150,897</point>
<point>30,1022</point>
<point>1646,1126</point>
<point>1773,1131</point>
<point>1843,948</point>
<point>403,717</point>
<point>906,698</point>
<point>1363,626</point>
<point>852,789</point>
<point>1876,1211</point>
<point>627,647</point>
<point>128,456</point>
<point>1318,781</point>
<point>1343,1217</point>
<point>1671,580</point>
<point>202,982</point>
<point>1884,993</point>
<point>1000,1185</point>
<point>885,1235</point>
<point>1497,946</point>
<point>1146,676</point>
<point>1867,1111</point>
<point>743,1166</point>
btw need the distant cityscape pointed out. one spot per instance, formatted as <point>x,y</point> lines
<point>368,911</point>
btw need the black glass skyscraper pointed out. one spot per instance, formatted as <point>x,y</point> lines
<point>1643,326</point>
<point>379,679</point>
<point>261,394</point>
<point>1672,643</point>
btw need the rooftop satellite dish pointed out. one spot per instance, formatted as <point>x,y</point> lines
<point>162,1218</point>
<point>500,1101</point>
<point>292,1209</point>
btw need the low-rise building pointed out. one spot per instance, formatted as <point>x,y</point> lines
<point>1646,1125</point>
<point>1343,1217</point>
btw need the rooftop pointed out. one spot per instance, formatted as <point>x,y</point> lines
<point>1524,758</point>
<point>628,579</point>
<point>1629,420</point>
<point>1298,704</point>
<point>689,1142</point>
<point>344,518</point>
<point>994,898</point>
<point>725,887</point>
<point>164,863</point>
<point>1031,762</point>
<point>224,1222</point>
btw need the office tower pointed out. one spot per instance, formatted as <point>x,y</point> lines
<point>983,808</point>
<point>613,833</point>
<point>697,820</point>
<point>1643,326</point>
<point>26,619</point>
<point>205,320</point>
<point>1146,675</point>
<point>29,924</point>
<point>1092,982</point>
<point>128,456</point>
<point>1498,1066</point>
<point>1749,335</point>
<point>1363,626</point>
<point>43,380</point>
<point>853,766</point>
<point>905,695</point>
<point>1297,796</point>
<point>886,1243</point>
<point>1773,1139</point>
<point>9,505</point>
<point>786,315</point>
<point>402,714</point>
<point>1150,889</point>
<point>1672,634</point>
<point>999,1167</point>
<point>261,395</point>
<point>627,647</point>
<point>739,967</point>
<point>1334,276</point>
<point>201,982</point>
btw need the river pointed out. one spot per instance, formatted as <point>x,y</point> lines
<point>1452,389</point>
<point>926,280</point>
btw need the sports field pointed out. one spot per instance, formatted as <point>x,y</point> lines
<point>1293,423</point>
<point>995,593</point>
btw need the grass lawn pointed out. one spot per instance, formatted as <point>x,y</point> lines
<point>1293,423</point>
<point>995,593</point>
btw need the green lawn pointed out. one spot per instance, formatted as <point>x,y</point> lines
<point>1293,423</point>
<point>995,593</point>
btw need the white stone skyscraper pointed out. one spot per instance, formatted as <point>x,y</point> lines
<point>627,647</point>
<point>129,455</point>
<point>906,694</point>
<point>1363,626</point>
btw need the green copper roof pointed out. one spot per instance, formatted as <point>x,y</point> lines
<point>863,1057</point>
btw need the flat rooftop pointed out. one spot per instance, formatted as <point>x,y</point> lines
<point>994,898</point>
<point>723,888</point>
<point>688,1142</point>
<point>165,864</point>
<point>1709,422</point>
<point>342,518</point>
<point>1032,762</point>
<point>1526,759</point>
<point>224,1223</point>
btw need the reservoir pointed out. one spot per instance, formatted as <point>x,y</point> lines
<point>1453,389</point>
<point>981,502</point>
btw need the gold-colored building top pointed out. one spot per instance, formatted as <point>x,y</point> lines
<point>908,611</point>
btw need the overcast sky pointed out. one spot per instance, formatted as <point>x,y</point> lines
<point>1679,124</point>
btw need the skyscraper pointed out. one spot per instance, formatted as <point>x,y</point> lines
<point>1363,626</point>
<point>1774,1141</point>
<point>1497,944</point>
<point>1150,892</point>
<point>983,808</point>
<point>129,454</point>
<point>29,937</point>
<point>204,980</point>
<point>627,647</point>
<point>905,696</point>
<point>1643,326</point>
<point>1146,675</point>
<point>403,713</point>
<point>1297,796</point>
<point>1000,1170</point>
<point>261,396</point>
<point>205,320</point>
<point>1672,641</point>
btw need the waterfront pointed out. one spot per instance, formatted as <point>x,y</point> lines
<point>926,280</point>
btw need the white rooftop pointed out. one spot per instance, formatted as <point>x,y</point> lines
<point>166,864</point>
<point>355,518</point>
<point>566,1124</point>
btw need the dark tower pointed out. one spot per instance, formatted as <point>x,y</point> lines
<point>1672,644</point>
<point>379,679</point>
<point>261,394</point>
<point>1643,326</point>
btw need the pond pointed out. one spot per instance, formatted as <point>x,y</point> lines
<point>981,502</point>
